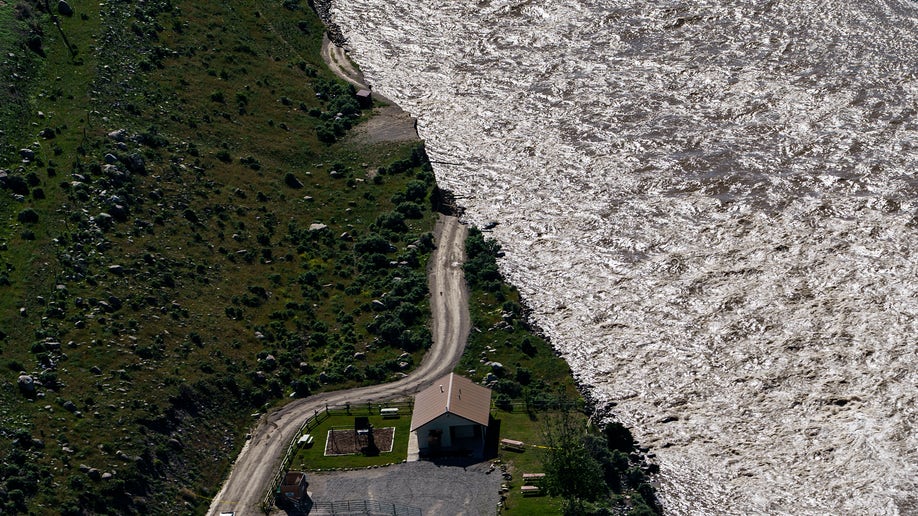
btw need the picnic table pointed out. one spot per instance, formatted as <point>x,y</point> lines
<point>530,490</point>
<point>533,477</point>
<point>510,444</point>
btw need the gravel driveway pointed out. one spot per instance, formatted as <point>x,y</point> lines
<point>436,490</point>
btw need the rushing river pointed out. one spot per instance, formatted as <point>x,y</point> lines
<point>711,206</point>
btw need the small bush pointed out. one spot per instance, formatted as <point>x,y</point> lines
<point>28,216</point>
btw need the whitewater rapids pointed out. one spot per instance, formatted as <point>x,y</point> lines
<point>712,208</point>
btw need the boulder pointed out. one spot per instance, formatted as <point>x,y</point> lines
<point>26,383</point>
<point>28,154</point>
<point>119,135</point>
<point>135,163</point>
<point>292,181</point>
<point>111,159</point>
<point>103,219</point>
<point>64,8</point>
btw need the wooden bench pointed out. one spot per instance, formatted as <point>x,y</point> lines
<point>530,490</point>
<point>510,444</point>
<point>531,478</point>
<point>389,413</point>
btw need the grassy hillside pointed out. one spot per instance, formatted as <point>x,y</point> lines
<point>189,238</point>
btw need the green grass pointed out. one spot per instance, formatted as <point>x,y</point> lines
<point>529,429</point>
<point>223,95</point>
<point>312,459</point>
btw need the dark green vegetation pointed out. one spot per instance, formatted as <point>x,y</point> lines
<point>592,472</point>
<point>503,350</point>
<point>187,240</point>
<point>587,472</point>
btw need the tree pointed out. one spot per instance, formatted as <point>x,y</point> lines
<point>570,471</point>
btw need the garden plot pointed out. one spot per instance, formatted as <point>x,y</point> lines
<point>346,441</point>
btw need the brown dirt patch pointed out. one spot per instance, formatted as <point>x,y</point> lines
<point>347,442</point>
<point>388,124</point>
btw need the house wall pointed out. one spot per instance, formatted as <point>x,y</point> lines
<point>442,423</point>
<point>463,428</point>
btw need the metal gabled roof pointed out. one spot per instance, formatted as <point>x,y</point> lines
<point>452,394</point>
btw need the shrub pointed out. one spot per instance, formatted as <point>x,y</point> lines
<point>28,216</point>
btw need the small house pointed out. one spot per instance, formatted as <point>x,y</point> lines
<point>451,417</point>
<point>364,98</point>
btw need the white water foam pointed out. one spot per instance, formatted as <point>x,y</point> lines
<point>711,207</point>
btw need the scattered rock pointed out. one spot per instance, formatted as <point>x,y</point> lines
<point>317,227</point>
<point>94,474</point>
<point>111,159</point>
<point>107,476</point>
<point>28,154</point>
<point>70,406</point>
<point>119,135</point>
<point>360,356</point>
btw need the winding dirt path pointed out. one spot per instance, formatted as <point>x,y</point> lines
<point>260,457</point>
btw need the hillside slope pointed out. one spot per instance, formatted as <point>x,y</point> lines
<point>190,239</point>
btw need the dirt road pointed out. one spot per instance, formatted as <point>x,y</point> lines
<point>260,458</point>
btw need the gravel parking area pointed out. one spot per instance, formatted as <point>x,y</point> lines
<point>436,490</point>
